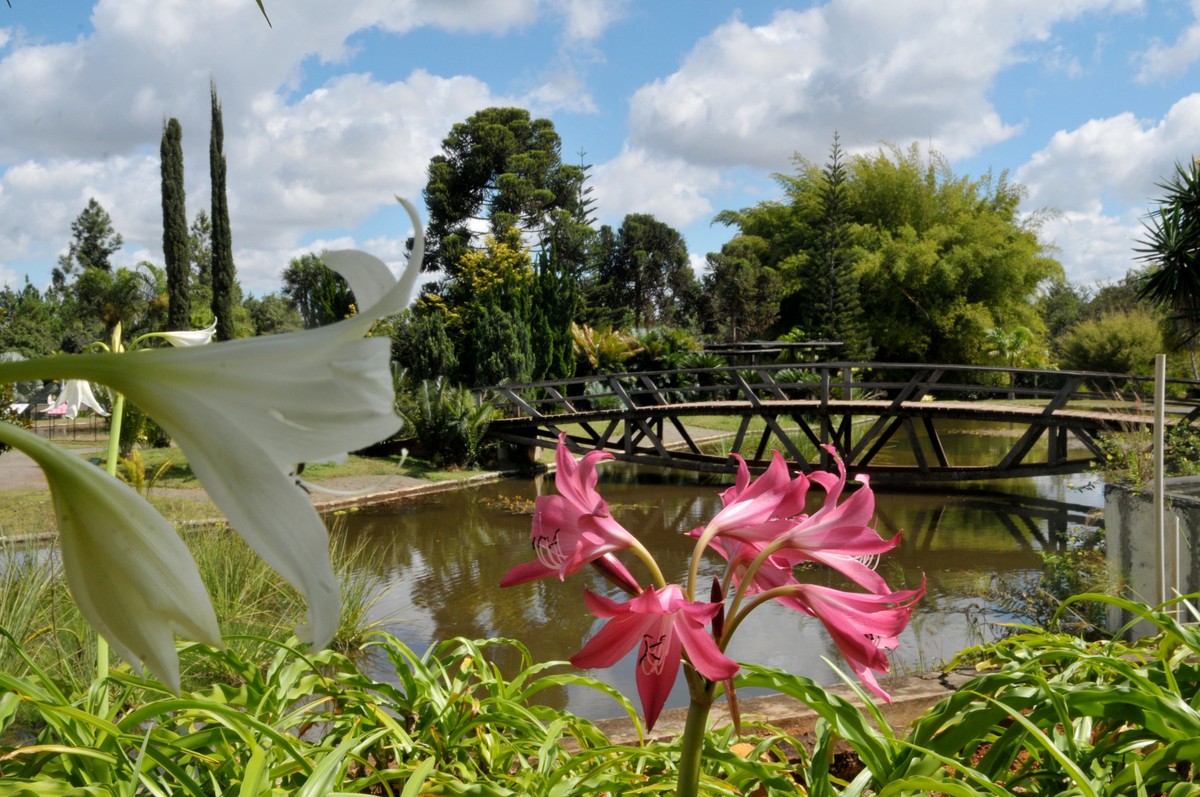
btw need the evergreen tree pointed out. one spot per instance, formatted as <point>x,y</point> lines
<point>743,294</point>
<point>647,272</point>
<point>421,344</point>
<point>555,304</point>
<point>834,281</point>
<point>319,293</point>
<point>93,243</point>
<point>223,275</point>
<point>498,348</point>
<point>200,269</point>
<point>500,167</point>
<point>175,227</point>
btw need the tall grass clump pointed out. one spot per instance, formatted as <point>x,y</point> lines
<point>38,612</point>
<point>1046,714</point>
<point>256,608</point>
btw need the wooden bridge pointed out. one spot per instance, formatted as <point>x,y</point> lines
<point>889,420</point>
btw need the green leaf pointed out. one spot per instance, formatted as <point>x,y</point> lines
<point>1076,774</point>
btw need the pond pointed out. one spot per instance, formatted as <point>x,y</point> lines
<point>437,561</point>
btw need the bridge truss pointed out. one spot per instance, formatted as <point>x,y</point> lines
<point>885,419</point>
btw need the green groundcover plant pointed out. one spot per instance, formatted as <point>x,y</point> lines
<point>1047,714</point>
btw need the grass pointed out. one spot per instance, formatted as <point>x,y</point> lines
<point>257,610</point>
<point>30,513</point>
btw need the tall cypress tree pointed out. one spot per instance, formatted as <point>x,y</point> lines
<point>223,279</point>
<point>175,227</point>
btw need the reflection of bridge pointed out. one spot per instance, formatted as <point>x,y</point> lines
<point>886,419</point>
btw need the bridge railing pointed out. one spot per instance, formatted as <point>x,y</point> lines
<point>836,382</point>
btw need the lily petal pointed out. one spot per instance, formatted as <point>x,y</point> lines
<point>132,577</point>
<point>191,337</point>
<point>662,624</point>
<point>371,280</point>
<point>863,626</point>
<point>246,411</point>
<point>77,393</point>
<point>574,528</point>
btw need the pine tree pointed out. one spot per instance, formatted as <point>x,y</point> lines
<point>833,280</point>
<point>223,277</point>
<point>175,227</point>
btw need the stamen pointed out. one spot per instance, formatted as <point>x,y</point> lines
<point>650,659</point>
<point>548,550</point>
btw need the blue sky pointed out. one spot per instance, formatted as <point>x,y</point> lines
<point>683,109</point>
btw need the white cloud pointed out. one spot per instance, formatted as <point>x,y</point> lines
<point>899,72</point>
<point>635,181</point>
<point>1118,159</point>
<point>562,89</point>
<point>1102,176</point>
<point>83,118</point>
<point>1161,61</point>
<point>1095,247</point>
<point>587,20</point>
<point>8,277</point>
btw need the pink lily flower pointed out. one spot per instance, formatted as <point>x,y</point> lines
<point>574,528</point>
<point>837,535</point>
<point>864,627</point>
<point>663,624</point>
<point>762,507</point>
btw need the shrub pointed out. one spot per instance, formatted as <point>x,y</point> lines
<point>421,341</point>
<point>1122,342</point>
<point>445,423</point>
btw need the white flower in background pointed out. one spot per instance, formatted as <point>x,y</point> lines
<point>132,577</point>
<point>246,412</point>
<point>77,393</point>
<point>192,337</point>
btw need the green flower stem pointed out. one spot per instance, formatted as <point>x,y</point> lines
<point>110,465</point>
<point>691,751</point>
<point>651,564</point>
<point>735,619</point>
<point>114,434</point>
<point>748,579</point>
<point>698,554</point>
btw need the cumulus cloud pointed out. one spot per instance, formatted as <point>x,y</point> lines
<point>8,277</point>
<point>901,72</point>
<point>1102,176</point>
<point>83,119</point>
<point>1119,158</point>
<point>635,181</point>
<point>1161,61</point>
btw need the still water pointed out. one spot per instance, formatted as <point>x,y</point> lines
<point>437,562</point>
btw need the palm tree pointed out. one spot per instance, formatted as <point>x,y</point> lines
<point>1172,249</point>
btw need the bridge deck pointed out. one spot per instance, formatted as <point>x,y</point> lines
<point>641,417</point>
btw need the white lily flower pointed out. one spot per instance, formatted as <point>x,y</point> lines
<point>132,577</point>
<point>191,337</point>
<point>77,393</point>
<point>245,412</point>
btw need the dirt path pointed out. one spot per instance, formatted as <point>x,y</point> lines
<point>19,472</point>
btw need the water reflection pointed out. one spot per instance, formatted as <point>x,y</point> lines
<point>438,560</point>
